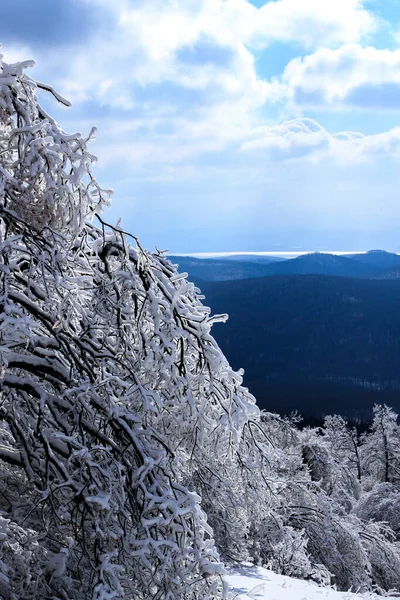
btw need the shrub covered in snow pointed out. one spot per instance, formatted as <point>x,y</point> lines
<point>115,399</point>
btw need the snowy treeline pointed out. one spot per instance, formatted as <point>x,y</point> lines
<point>132,460</point>
<point>335,503</point>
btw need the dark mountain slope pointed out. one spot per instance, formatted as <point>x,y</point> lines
<point>393,273</point>
<point>313,343</point>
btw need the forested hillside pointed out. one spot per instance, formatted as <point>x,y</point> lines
<point>312,343</point>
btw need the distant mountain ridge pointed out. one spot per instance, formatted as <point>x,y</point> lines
<point>378,258</point>
<point>214,269</point>
<point>252,258</point>
<point>373,264</point>
<point>324,264</point>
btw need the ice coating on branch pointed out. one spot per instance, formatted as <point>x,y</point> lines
<point>45,175</point>
<point>119,414</point>
<point>110,351</point>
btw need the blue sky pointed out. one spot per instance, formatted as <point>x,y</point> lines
<point>230,125</point>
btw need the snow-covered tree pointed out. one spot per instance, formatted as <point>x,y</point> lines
<point>320,523</point>
<point>380,449</point>
<point>381,504</point>
<point>116,403</point>
<point>344,444</point>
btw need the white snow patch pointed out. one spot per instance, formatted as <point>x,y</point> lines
<point>257,583</point>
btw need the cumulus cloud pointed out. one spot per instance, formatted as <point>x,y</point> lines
<point>348,76</point>
<point>305,139</point>
<point>183,65</point>
<point>207,43</point>
<point>183,113</point>
<point>314,22</point>
<point>290,140</point>
<point>187,149</point>
<point>195,44</point>
<point>188,67</point>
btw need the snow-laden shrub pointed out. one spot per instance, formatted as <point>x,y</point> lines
<point>115,398</point>
<point>45,172</point>
<point>381,504</point>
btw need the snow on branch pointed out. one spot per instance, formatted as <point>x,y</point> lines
<point>45,175</point>
<point>113,393</point>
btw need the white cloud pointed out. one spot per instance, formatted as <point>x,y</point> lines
<point>288,140</point>
<point>150,55</point>
<point>173,86</point>
<point>168,25</point>
<point>351,75</point>
<point>304,139</point>
<point>140,45</point>
<point>158,44</point>
<point>315,22</point>
<point>188,151</point>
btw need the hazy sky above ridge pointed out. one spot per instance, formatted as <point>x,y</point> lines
<point>230,125</point>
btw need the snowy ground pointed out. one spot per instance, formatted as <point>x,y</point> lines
<point>261,584</point>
